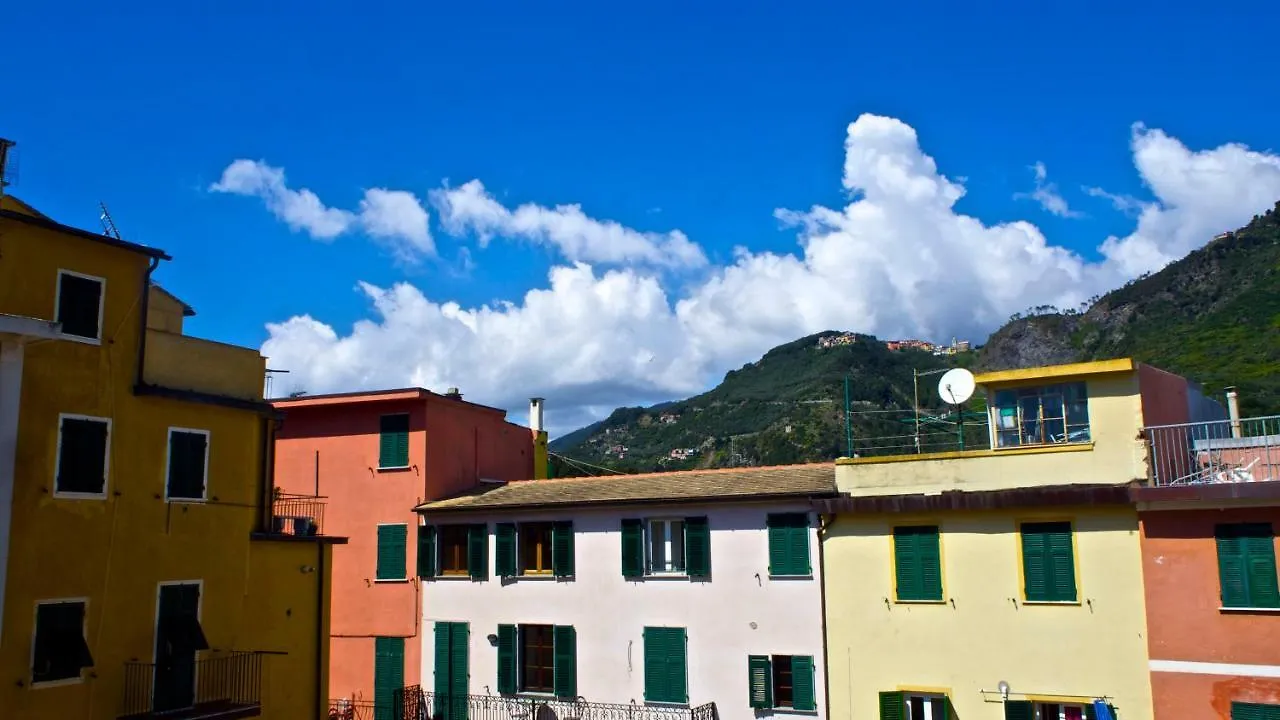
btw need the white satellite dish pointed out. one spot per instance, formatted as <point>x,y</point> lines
<point>956,386</point>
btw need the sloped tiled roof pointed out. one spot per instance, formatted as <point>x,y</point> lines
<point>676,487</point>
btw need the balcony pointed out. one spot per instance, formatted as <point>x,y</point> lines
<point>414,704</point>
<point>1216,452</point>
<point>223,686</point>
<point>297,515</point>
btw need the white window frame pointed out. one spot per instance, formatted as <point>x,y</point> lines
<point>35,619</point>
<point>155,631</point>
<point>106,460</point>
<point>168,451</point>
<point>1038,708</point>
<point>648,547</point>
<point>102,303</point>
<point>928,698</point>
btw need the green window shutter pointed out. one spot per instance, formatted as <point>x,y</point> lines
<point>1261,567</point>
<point>388,674</point>
<point>441,665</point>
<point>426,551</point>
<point>459,676</point>
<point>893,706</point>
<point>1019,710</point>
<point>565,642</point>
<point>1048,562</point>
<point>1231,568</point>
<point>1062,563</point>
<point>391,551</point>
<point>1089,712</point>
<point>759,681</point>
<point>393,440</point>
<point>632,548</point>
<point>505,552</point>
<point>789,544</point>
<point>799,545</point>
<point>665,665</point>
<point>507,668</point>
<point>929,550</point>
<point>906,564</point>
<point>562,548</point>
<point>697,547</point>
<point>803,694</point>
<point>478,551</point>
<point>82,456</point>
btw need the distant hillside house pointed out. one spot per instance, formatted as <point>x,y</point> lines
<point>659,593</point>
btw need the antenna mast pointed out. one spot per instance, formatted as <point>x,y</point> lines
<point>108,225</point>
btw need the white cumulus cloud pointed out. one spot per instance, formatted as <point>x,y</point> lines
<point>1047,195</point>
<point>899,259</point>
<point>576,236</point>
<point>395,217</point>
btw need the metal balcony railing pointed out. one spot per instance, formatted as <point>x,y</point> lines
<point>301,515</point>
<point>220,686</point>
<point>1218,451</point>
<point>414,704</point>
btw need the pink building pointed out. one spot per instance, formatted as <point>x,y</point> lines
<point>368,459</point>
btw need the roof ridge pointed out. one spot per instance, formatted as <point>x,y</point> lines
<point>669,473</point>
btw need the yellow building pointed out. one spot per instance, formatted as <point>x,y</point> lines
<point>144,565</point>
<point>1004,582</point>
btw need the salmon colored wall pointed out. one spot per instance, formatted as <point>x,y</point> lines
<point>1164,397</point>
<point>1180,569</point>
<point>1183,696</point>
<point>1180,566</point>
<point>451,445</point>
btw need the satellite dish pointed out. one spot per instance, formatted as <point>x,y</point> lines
<point>956,386</point>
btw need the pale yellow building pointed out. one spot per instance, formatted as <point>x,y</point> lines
<point>1003,582</point>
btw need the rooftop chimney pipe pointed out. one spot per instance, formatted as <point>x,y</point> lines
<point>535,414</point>
<point>1233,411</point>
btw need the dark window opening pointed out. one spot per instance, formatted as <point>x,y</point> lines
<point>79,304</point>
<point>537,659</point>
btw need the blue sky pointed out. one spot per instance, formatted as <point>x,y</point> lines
<point>704,121</point>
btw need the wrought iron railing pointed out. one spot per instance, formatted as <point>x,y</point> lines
<point>219,683</point>
<point>414,704</point>
<point>1218,451</point>
<point>301,515</point>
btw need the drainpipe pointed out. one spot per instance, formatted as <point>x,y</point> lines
<point>1233,411</point>
<point>823,522</point>
<point>322,703</point>
<point>140,380</point>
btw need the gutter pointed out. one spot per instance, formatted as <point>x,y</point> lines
<point>823,521</point>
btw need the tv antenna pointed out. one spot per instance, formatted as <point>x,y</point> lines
<point>955,387</point>
<point>108,225</point>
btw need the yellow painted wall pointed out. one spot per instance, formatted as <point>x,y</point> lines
<point>984,633</point>
<point>187,363</point>
<point>115,551</point>
<point>1116,454</point>
<point>280,615</point>
<point>164,312</point>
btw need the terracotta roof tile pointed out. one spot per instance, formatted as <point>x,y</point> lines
<point>685,486</point>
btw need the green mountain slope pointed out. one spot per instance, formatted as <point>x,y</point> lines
<point>1213,316</point>
<point>787,407</point>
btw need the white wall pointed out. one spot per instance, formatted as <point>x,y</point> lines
<point>610,612</point>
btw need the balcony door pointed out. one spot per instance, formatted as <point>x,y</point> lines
<point>178,639</point>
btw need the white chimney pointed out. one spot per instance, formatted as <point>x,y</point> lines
<point>535,414</point>
<point>1233,411</point>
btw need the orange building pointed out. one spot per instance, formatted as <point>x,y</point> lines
<point>372,457</point>
<point>1208,522</point>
